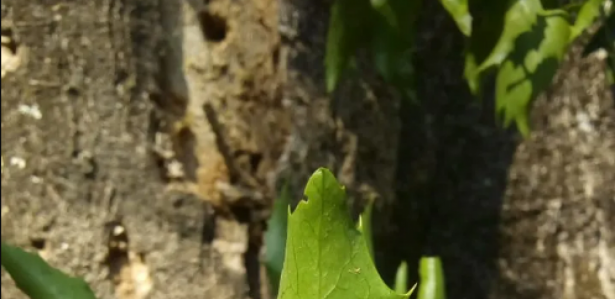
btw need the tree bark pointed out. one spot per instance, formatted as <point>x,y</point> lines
<point>100,75</point>
<point>180,120</point>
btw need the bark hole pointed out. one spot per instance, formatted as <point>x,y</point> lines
<point>38,243</point>
<point>214,27</point>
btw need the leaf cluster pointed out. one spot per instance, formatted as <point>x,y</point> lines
<point>521,42</point>
<point>385,28</point>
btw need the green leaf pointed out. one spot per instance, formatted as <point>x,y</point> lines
<point>348,26</point>
<point>365,226</point>
<point>38,280</point>
<point>460,12</point>
<point>394,24</point>
<point>470,72</point>
<point>275,239</point>
<point>401,278</point>
<point>589,13</point>
<point>431,285</point>
<point>529,69</point>
<point>487,27</point>
<point>326,256</point>
<point>519,18</point>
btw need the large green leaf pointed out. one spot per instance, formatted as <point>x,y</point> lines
<point>326,256</point>
<point>486,29</point>
<point>432,279</point>
<point>519,18</point>
<point>588,14</point>
<point>348,28</point>
<point>460,12</point>
<point>38,280</point>
<point>529,69</point>
<point>275,239</point>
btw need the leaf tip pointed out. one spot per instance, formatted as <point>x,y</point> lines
<point>322,173</point>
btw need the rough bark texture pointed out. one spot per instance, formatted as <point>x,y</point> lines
<point>97,152</point>
<point>559,210</point>
<point>180,119</point>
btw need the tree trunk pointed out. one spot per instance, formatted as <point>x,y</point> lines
<point>92,140</point>
<point>180,120</point>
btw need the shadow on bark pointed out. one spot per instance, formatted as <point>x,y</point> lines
<point>452,170</point>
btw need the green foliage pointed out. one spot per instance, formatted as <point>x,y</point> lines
<point>401,278</point>
<point>38,280</point>
<point>460,11</point>
<point>347,29</point>
<point>386,27</point>
<point>527,53</point>
<point>275,239</point>
<point>326,256</point>
<point>586,16</point>
<point>392,42</point>
<point>523,41</point>
<point>365,226</point>
<point>432,279</point>
<point>530,66</point>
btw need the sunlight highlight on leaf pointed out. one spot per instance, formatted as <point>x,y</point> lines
<point>460,12</point>
<point>431,285</point>
<point>588,14</point>
<point>518,19</point>
<point>530,68</point>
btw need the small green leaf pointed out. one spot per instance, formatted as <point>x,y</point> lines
<point>326,256</point>
<point>275,239</point>
<point>460,12</point>
<point>401,278</point>
<point>469,73</point>
<point>365,226</point>
<point>589,13</point>
<point>38,280</point>
<point>348,26</point>
<point>531,66</point>
<point>431,285</point>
